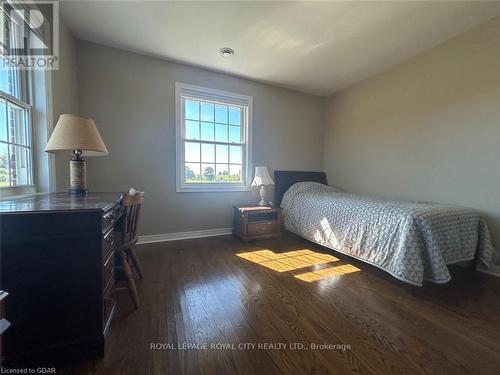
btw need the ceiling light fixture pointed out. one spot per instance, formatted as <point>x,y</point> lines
<point>226,52</point>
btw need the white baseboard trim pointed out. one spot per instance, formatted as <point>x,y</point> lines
<point>163,237</point>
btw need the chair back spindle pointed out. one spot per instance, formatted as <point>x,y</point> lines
<point>132,206</point>
<point>127,259</point>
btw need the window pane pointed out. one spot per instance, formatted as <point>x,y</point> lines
<point>207,131</point>
<point>235,154</point>
<point>207,153</point>
<point>235,134</point>
<point>192,151</point>
<point>208,172</point>
<point>192,111</point>
<point>3,121</point>
<point>18,131</point>
<point>222,172</point>
<point>13,36</point>
<point>192,129</point>
<point>10,80</point>
<point>221,114</point>
<point>235,116</point>
<point>4,166</point>
<point>235,172</point>
<point>207,112</point>
<point>221,133</point>
<point>192,172</point>
<point>19,166</point>
<point>5,78</point>
<point>222,154</point>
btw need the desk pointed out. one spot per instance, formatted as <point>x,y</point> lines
<point>57,264</point>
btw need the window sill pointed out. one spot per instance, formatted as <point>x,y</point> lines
<point>16,193</point>
<point>210,189</point>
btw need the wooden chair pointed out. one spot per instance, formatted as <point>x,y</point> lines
<point>125,254</point>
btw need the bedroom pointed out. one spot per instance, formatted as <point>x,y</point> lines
<point>393,105</point>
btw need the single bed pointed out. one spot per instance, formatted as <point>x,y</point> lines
<point>412,241</point>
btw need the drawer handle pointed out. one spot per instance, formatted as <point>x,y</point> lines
<point>110,269</point>
<point>110,241</point>
<point>108,220</point>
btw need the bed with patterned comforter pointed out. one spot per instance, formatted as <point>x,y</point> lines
<point>413,241</point>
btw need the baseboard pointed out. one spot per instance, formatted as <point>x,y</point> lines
<point>163,237</point>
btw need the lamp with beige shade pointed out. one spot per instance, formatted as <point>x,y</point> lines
<point>79,135</point>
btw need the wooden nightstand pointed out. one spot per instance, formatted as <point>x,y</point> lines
<point>256,222</point>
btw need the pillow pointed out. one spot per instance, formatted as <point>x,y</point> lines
<point>336,189</point>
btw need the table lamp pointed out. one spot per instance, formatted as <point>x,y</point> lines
<point>77,134</point>
<point>262,179</point>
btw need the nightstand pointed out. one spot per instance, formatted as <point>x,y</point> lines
<point>256,222</point>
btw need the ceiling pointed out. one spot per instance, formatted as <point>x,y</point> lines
<point>311,46</point>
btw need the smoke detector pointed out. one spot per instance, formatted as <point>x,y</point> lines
<point>226,52</point>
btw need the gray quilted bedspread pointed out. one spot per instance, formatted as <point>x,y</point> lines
<point>413,241</point>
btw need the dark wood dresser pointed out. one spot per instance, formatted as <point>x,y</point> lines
<point>57,264</point>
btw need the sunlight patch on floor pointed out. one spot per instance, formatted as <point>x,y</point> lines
<point>288,261</point>
<point>327,272</point>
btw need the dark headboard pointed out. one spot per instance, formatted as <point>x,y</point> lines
<point>284,179</point>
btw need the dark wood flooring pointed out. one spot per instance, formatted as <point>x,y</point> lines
<point>200,292</point>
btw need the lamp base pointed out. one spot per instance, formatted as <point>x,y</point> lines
<point>77,192</point>
<point>77,170</point>
<point>263,196</point>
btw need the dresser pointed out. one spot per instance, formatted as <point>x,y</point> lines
<point>57,265</point>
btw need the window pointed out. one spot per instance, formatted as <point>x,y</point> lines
<point>213,139</point>
<point>16,158</point>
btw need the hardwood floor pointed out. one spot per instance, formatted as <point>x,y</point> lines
<point>201,292</point>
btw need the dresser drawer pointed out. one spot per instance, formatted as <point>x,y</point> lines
<point>108,242</point>
<point>108,305</point>
<point>108,273</point>
<point>110,217</point>
<point>2,296</point>
<point>262,228</point>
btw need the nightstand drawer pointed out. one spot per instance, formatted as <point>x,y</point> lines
<point>263,216</point>
<point>262,228</point>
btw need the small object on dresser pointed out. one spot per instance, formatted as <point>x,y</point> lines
<point>256,222</point>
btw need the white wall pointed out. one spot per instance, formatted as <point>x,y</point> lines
<point>131,98</point>
<point>427,129</point>
<point>64,96</point>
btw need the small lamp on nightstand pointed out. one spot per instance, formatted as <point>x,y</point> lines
<point>77,134</point>
<point>262,179</point>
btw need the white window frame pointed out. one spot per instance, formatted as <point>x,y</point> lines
<point>24,102</point>
<point>31,187</point>
<point>184,90</point>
